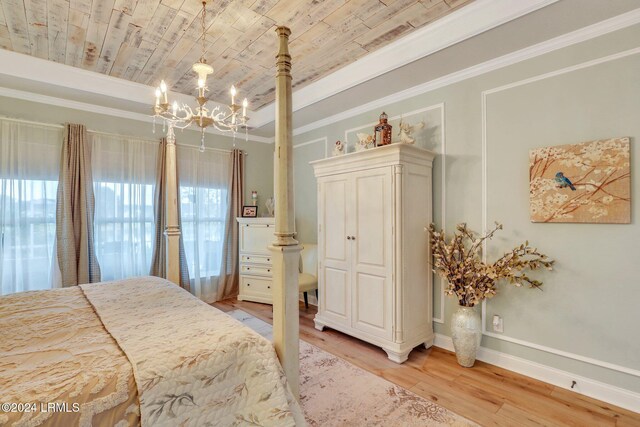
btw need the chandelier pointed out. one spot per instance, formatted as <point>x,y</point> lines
<point>226,119</point>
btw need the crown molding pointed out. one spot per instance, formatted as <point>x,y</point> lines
<point>19,65</point>
<point>462,24</point>
<point>48,72</point>
<point>587,33</point>
<point>99,109</point>
<point>473,19</point>
<point>466,22</point>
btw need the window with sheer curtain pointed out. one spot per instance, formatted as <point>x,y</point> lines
<point>124,171</point>
<point>204,191</point>
<point>29,169</point>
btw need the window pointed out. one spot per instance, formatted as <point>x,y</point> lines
<point>27,234</point>
<point>203,214</point>
<point>124,173</point>
<point>204,189</point>
<point>124,228</point>
<point>29,169</point>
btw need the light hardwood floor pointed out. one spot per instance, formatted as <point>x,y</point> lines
<point>486,394</point>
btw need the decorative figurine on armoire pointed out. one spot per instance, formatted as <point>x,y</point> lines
<point>382,131</point>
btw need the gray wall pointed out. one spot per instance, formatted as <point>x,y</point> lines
<point>589,306</point>
<point>259,164</point>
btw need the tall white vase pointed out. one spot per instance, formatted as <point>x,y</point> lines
<point>466,333</point>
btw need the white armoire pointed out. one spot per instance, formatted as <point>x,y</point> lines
<point>374,277</point>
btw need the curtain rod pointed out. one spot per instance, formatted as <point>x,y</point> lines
<point>57,126</point>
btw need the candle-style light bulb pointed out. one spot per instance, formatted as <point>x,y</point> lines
<point>157,96</point>
<point>245,104</point>
<point>163,89</point>
<point>201,87</point>
<point>175,107</point>
<point>233,94</point>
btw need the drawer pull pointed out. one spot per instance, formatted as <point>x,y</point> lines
<point>248,284</point>
<point>248,257</point>
<point>268,259</point>
<point>268,271</point>
<point>268,287</point>
<point>248,268</point>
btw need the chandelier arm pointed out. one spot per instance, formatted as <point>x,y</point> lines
<point>188,110</point>
<point>225,128</point>
<point>183,126</point>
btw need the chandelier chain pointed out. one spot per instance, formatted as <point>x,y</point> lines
<point>204,31</point>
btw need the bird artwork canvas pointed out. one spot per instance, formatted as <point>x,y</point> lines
<point>588,182</point>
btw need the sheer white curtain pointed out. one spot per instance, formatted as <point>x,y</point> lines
<point>204,187</point>
<point>29,169</point>
<point>123,182</point>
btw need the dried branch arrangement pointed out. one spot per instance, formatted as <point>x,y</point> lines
<point>472,280</point>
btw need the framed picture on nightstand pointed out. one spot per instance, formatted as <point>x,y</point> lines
<point>249,211</point>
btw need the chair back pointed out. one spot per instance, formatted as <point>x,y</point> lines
<point>309,258</point>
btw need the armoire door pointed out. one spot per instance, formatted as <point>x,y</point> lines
<point>334,270</point>
<point>372,255</point>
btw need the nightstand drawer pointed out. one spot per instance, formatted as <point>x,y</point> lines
<point>255,259</point>
<point>259,270</point>
<point>255,285</point>
<point>256,237</point>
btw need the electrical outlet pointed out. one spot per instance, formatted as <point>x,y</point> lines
<point>497,324</point>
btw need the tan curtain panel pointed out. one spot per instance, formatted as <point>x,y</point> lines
<point>158,259</point>
<point>228,283</point>
<point>75,208</point>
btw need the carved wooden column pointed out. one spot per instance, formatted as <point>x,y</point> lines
<point>286,250</point>
<point>172,230</point>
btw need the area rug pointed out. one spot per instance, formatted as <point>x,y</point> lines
<point>333,392</point>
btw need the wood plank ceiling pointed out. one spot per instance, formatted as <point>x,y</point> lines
<point>147,40</point>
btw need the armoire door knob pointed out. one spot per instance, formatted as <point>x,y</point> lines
<point>348,237</point>
<point>353,237</point>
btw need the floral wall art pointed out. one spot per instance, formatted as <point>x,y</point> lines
<point>588,182</point>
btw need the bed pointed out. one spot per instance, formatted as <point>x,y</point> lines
<point>145,352</point>
<point>135,351</point>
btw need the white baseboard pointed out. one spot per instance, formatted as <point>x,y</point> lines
<point>623,398</point>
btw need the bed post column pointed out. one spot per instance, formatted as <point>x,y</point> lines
<point>285,249</point>
<point>172,230</point>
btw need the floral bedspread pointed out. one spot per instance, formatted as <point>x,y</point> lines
<point>193,364</point>
<point>59,367</point>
